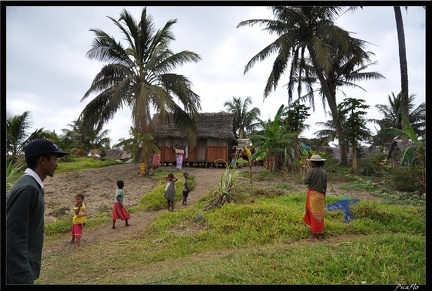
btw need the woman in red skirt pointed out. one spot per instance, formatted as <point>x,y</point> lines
<point>316,179</point>
<point>119,210</point>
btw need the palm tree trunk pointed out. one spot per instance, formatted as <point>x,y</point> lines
<point>402,62</point>
<point>331,100</point>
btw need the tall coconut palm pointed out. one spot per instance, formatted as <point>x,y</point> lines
<point>306,32</point>
<point>402,61</point>
<point>245,121</point>
<point>139,75</point>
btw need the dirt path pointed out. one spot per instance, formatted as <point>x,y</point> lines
<point>98,186</point>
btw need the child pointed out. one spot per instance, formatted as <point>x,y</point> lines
<point>79,219</point>
<point>186,188</point>
<point>316,179</point>
<point>119,210</point>
<point>169,192</point>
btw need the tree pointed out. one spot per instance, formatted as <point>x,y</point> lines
<point>353,110</point>
<point>392,118</point>
<point>279,147</point>
<point>139,76</point>
<point>17,135</point>
<point>140,145</point>
<point>414,156</point>
<point>86,138</point>
<point>245,121</point>
<point>294,117</point>
<point>306,34</point>
<point>402,61</point>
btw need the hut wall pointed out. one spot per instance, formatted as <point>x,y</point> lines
<point>217,149</point>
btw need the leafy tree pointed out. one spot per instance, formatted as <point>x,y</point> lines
<point>294,117</point>
<point>245,121</point>
<point>139,76</point>
<point>354,124</point>
<point>306,35</point>
<point>17,133</point>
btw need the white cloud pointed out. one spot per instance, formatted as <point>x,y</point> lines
<point>48,73</point>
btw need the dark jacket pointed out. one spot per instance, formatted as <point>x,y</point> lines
<point>316,179</point>
<point>24,231</point>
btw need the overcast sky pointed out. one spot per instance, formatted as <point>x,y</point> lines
<point>47,71</point>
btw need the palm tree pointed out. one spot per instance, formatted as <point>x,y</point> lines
<point>306,33</point>
<point>139,76</point>
<point>86,138</point>
<point>17,135</point>
<point>392,118</point>
<point>245,121</point>
<point>402,61</point>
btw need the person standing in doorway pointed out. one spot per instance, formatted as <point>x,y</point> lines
<point>25,205</point>
<point>316,179</point>
<point>119,210</point>
<point>179,156</point>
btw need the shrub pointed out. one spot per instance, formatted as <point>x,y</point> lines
<point>405,179</point>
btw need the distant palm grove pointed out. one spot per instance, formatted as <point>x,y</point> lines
<point>316,56</point>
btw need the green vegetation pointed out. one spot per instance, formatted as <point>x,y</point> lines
<point>257,238</point>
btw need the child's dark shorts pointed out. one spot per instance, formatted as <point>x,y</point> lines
<point>185,193</point>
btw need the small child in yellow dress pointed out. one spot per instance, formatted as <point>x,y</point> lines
<point>79,220</point>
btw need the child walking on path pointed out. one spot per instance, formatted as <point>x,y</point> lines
<point>79,220</point>
<point>186,188</point>
<point>119,210</point>
<point>170,192</point>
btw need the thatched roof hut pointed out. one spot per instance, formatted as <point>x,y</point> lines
<point>217,125</point>
<point>215,138</point>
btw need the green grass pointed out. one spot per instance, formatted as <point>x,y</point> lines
<point>258,239</point>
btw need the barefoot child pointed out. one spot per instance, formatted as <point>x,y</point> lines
<point>79,220</point>
<point>119,210</point>
<point>169,192</point>
<point>186,188</point>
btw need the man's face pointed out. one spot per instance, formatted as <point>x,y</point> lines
<point>49,165</point>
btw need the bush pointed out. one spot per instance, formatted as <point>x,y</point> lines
<point>405,179</point>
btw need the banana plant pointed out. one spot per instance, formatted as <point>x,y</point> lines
<point>415,154</point>
<point>140,145</point>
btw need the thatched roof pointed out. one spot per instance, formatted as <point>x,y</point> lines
<point>210,125</point>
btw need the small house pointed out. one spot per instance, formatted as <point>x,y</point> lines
<point>215,138</point>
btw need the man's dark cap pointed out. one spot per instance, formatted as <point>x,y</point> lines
<point>41,147</point>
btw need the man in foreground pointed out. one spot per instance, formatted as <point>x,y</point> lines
<point>25,207</point>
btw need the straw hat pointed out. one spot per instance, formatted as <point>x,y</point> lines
<point>316,158</point>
